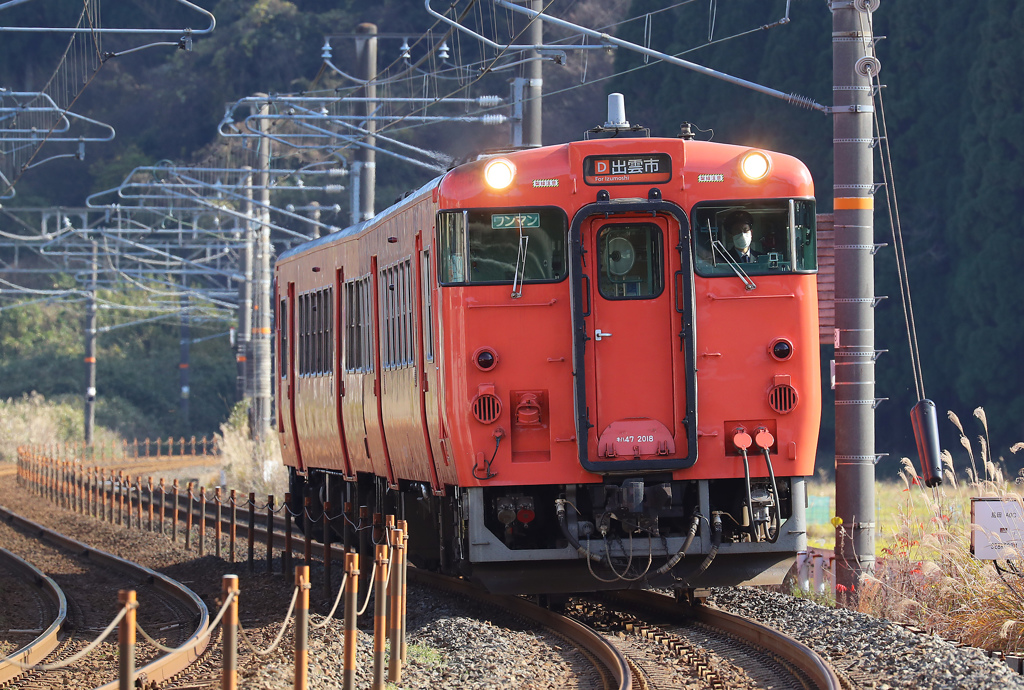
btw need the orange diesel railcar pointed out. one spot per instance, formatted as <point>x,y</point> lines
<point>561,365</point>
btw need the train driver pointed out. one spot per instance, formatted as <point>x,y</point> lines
<point>739,229</point>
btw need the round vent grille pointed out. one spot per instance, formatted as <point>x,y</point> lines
<point>783,398</point>
<point>486,408</point>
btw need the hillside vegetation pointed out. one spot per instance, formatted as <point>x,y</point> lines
<point>952,102</point>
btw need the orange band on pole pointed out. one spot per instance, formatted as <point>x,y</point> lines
<point>90,360</point>
<point>853,203</point>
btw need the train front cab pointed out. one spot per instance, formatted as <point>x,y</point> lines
<point>696,404</point>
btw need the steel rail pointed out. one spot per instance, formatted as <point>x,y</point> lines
<point>163,667</point>
<point>40,648</point>
<point>792,651</point>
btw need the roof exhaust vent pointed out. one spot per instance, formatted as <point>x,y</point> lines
<point>616,112</point>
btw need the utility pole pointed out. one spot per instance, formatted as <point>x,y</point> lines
<point>853,66</point>
<point>533,119</point>
<point>364,174</point>
<point>183,365</point>
<point>243,343</point>
<point>314,216</point>
<point>261,317</point>
<point>90,352</point>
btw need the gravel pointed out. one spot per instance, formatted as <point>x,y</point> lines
<point>875,653</point>
<point>454,644</point>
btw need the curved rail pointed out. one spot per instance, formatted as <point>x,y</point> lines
<point>592,643</point>
<point>796,653</point>
<point>40,648</point>
<point>165,666</point>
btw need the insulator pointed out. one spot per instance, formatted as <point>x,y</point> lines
<point>493,119</point>
<point>868,66</point>
<point>488,101</point>
<point>801,101</point>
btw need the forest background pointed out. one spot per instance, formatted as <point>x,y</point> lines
<point>954,115</point>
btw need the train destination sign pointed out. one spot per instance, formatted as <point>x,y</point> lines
<point>515,220</point>
<point>997,529</point>
<point>640,168</point>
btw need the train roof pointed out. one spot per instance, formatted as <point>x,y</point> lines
<point>353,230</point>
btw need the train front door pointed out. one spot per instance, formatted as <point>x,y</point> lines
<point>632,394</point>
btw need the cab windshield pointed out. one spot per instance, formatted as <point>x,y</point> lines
<point>754,237</point>
<point>489,246</point>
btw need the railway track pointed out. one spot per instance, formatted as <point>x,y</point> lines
<point>91,580</point>
<point>30,598</point>
<point>721,649</point>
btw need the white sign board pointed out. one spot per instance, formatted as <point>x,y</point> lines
<point>997,529</point>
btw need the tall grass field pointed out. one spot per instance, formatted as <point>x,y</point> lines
<point>925,574</point>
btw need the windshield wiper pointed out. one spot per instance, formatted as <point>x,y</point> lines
<point>520,274</point>
<point>718,248</point>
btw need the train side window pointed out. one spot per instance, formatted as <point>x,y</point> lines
<point>407,329</point>
<point>329,359</point>
<point>366,326</point>
<point>781,240</point>
<point>428,307</point>
<point>451,238</point>
<point>300,321</point>
<point>482,245</point>
<point>308,332</point>
<point>351,328</point>
<point>387,288</point>
<point>282,327</point>
<point>319,338</point>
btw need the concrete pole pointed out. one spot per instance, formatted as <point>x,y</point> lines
<point>533,119</point>
<point>852,66</point>
<point>366,157</point>
<point>183,365</point>
<point>90,353</point>
<point>261,316</point>
<point>314,216</point>
<point>243,342</point>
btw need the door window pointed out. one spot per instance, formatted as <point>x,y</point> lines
<point>630,261</point>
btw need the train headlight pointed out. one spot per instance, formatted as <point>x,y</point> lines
<point>755,165</point>
<point>499,173</point>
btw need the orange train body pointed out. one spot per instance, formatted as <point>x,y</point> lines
<point>567,371</point>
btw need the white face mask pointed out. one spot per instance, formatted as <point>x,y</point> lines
<point>742,240</point>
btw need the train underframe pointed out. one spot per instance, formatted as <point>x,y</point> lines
<point>626,532</point>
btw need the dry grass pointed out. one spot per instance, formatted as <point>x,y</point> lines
<point>31,419</point>
<point>251,466</point>
<point>926,574</point>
